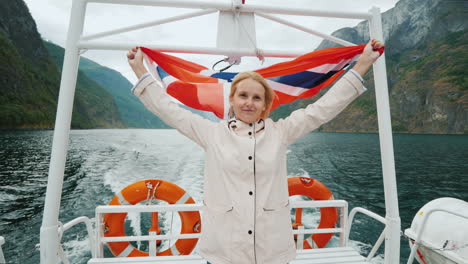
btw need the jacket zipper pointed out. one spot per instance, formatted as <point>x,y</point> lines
<point>255,192</point>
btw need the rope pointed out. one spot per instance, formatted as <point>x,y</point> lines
<point>151,192</point>
<point>227,67</point>
<point>257,50</point>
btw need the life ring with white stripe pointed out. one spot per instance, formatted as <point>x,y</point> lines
<point>145,190</point>
<point>315,190</point>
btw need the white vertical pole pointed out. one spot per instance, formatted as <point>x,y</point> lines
<point>2,258</point>
<point>392,234</point>
<point>49,237</point>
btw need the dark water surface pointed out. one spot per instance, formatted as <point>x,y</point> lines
<point>101,162</point>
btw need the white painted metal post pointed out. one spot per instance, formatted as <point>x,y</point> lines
<point>153,246</point>
<point>49,237</point>
<point>392,234</point>
<point>2,258</point>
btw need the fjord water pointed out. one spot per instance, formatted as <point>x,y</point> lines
<point>101,162</point>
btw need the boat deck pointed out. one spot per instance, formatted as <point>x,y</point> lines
<point>337,255</point>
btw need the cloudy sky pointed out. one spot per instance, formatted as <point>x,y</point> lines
<point>52,18</point>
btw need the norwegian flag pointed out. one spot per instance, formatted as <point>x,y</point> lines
<point>200,88</point>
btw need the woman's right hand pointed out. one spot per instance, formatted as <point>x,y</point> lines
<point>135,60</point>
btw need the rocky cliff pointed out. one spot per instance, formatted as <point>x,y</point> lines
<point>427,57</point>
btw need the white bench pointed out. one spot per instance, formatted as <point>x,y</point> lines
<point>190,259</point>
<point>339,255</point>
<point>336,255</point>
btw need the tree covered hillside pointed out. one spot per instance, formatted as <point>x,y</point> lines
<point>30,79</point>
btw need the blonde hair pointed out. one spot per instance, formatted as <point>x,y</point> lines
<point>269,93</point>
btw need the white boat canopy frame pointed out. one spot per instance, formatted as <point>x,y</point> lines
<point>49,235</point>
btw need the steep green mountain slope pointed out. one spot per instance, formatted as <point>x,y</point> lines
<point>132,111</point>
<point>29,80</point>
<point>27,94</point>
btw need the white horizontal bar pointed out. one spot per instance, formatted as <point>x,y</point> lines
<point>307,30</point>
<point>304,12</point>
<point>227,5</point>
<point>109,45</point>
<point>326,250</point>
<point>169,3</point>
<point>197,235</point>
<point>197,207</point>
<point>318,231</point>
<point>148,24</point>
<point>148,208</point>
<point>318,204</point>
<point>189,259</point>
<point>149,237</point>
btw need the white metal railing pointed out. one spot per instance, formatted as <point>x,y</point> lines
<point>377,217</point>
<point>418,241</point>
<point>89,228</point>
<point>228,6</point>
<point>151,238</point>
<point>100,239</point>
<point>91,42</point>
<point>97,239</point>
<point>2,257</point>
<point>339,204</point>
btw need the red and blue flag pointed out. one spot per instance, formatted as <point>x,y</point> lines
<point>198,87</point>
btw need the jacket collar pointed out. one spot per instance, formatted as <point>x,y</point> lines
<point>245,129</point>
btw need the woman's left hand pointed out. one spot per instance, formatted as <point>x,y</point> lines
<point>370,54</point>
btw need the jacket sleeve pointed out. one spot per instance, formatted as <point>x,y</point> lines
<point>156,100</point>
<point>302,121</point>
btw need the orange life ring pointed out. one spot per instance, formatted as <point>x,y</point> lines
<point>143,190</point>
<point>315,190</point>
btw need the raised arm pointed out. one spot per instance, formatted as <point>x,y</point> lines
<point>343,92</point>
<point>155,99</point>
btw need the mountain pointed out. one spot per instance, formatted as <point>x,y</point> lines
<point>427,60</point>
<point>29,80</point>
<point>130,109</point>
<point>426,55</point>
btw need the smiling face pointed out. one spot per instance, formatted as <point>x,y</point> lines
<point>248,101</point>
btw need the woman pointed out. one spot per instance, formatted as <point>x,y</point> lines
<point>246,218</point>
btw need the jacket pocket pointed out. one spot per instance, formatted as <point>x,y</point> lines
<point>275,206</point>
<point>217,227</point>
<point>275,230</point>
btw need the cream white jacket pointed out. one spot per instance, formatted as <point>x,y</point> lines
<point>246,218</point>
